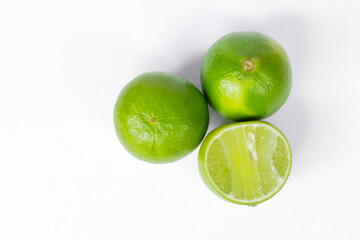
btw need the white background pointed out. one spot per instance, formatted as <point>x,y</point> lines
<point>64,174</point>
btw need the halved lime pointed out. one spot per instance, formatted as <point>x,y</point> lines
<point>246,162</point>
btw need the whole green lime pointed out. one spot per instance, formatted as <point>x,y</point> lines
<point>160,117</point>
<point>246,75</point>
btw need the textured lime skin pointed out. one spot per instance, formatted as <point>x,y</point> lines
<point>202,160</point>
<point>237,93</point>
<point>160,117</point>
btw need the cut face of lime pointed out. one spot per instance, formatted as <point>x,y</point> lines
<point>245,162</point>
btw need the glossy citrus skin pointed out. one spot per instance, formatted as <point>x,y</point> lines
<point>246,76</point>
<point>203,152</point>
<point>160,117</point>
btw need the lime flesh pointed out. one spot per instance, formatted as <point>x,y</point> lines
<point>246,163</point>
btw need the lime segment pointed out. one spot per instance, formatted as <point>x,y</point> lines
<point>245,162</point>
